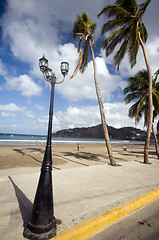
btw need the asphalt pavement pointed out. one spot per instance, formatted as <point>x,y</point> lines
<point>143,225</point>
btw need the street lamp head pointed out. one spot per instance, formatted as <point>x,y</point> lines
<point>64,68</point>
<point>47,72</point>
<point>43,64</point>
<point>49,76</point>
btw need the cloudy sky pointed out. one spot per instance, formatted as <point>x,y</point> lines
<point>31,28</point>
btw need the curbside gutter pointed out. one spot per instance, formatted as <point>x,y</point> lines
<point>98,223</point>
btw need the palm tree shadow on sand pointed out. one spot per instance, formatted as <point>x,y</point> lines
<point>25,204</point>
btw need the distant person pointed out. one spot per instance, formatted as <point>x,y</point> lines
<point>124,148</point>
<point>77,146</point>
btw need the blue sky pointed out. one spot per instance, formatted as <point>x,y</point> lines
<point>31,28</point>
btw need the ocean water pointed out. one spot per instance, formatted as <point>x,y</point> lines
<point>22,139</point>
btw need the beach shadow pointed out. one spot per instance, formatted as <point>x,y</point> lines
<point>25,204</point>
<point>139,161</point>
<point>120,159</point>
<point>21,151</point>
<point>86,156</point>
<point>135,154</point>
<point>70,160</point>
<point>152,154</point>
<point>139,152</point>
<point>36,150</point>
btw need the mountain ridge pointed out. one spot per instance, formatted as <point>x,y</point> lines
<point>96,132</point>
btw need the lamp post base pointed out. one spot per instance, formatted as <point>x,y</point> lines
<point>41,236</point>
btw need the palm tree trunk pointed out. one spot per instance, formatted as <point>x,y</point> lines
<point>156,141</point>
<point>101,107</point>
<point>147,142</point>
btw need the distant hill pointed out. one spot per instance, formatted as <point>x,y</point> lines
<point>96,132</point>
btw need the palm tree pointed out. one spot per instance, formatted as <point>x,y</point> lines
<point>137,89</point>
<point>84,30</point>
<point>130,32</point>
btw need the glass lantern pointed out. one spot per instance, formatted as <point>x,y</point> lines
<point>64,68</point>
<point>43,64</point>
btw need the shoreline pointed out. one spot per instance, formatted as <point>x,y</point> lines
<point>91,141</point>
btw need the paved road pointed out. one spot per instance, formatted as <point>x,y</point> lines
<point>143,225</point>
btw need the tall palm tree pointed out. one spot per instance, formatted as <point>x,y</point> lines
<point>130,32</point>
<point>137,89</point>
<point>84,30</point>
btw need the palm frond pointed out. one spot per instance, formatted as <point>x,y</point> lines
<point>137,89</point>
<point>127,16</point>
<point>130,5</point>
<point>120,53</point>
<point>156,103</point>
<point>146,116</point>
<point>133,112</point>
<point>93,27</point>
<point>132,96</point>
<point>154,115</point>
<point>79,45</point>
<point>133,45</point>
<point>142,105</point>
<point>111,42</point>
<point>78,64</point>
<point>137,86</point>
<point>83,30</point>
<point>143,32</point>
<point>84,62</point>
<point>114,10</point>
<point>156,74</point>
<point>83,25</point>
<point>112,24</point>
<point>143,6</point>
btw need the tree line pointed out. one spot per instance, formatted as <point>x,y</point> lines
<point>128,33</point>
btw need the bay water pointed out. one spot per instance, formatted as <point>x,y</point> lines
<point>22,139</point>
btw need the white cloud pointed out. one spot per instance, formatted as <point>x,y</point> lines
<point>39,107</point>
<point>116,116</point>
<point>25,26</point>
<point>11,107</point>
<point>76,117</point>
<point>25,85</point>
<point>3,70</point>
<point>108,82</point>
<point>153,54</point>
<point>29,114</point>
<point>82,86</point>
<point>44,119</point>
<point>7,114</point>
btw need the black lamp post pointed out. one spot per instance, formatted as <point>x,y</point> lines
<point>42,224</point>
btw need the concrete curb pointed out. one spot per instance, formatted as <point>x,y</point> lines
<point>98,223</point>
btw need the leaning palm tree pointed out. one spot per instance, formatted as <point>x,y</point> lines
<point>137,89</point>
<point>130,32</point>
<point>84,30</point>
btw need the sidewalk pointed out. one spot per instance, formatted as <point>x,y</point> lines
<point>79,193</point>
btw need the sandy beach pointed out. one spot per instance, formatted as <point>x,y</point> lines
<point>84,183</point>
<point>66,155</point>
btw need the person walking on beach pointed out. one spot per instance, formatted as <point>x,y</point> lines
<point>77,146</point>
